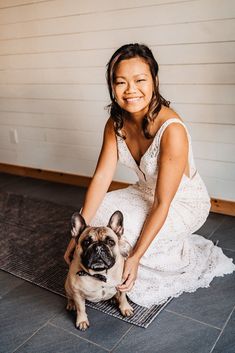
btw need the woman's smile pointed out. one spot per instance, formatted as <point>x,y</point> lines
<point>133,100</point>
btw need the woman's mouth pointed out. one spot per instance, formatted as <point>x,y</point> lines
<point>133,100</point>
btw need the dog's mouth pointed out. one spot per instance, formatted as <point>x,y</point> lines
<point>101,265</point>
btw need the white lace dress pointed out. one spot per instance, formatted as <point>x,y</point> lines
<point>177,260</point>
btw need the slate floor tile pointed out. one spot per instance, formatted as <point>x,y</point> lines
<point>36,321</point>
<point>104,329</point>
<point>209,305</point>
<point>226,342</point>
<point>226,233</point>
<point>51,339</point>
<point>61,193</point>
<point>169,333</point>
<point>212,223</point>
<point>8,282</point>
<point>22,311</point>
<point>23,185</point>
<point>7,179</point>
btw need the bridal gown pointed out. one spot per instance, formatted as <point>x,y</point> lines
<point>177,260</point>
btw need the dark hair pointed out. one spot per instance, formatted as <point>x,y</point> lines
<point>125,52</point>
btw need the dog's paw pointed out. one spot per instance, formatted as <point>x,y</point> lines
<point>127,310</point>
<point>83,325</point>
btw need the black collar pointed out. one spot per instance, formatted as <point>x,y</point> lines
<point>96,275</point>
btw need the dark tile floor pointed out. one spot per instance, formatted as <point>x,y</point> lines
<point>34,320</point>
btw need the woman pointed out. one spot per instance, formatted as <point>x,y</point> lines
<point>168,203</point>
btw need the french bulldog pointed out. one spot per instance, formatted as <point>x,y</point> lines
<point>97,266</point>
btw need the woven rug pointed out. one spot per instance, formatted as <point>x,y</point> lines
<point>34,234</point>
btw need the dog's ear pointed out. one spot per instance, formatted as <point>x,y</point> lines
<point>78,224</point>
<point>116,223</point>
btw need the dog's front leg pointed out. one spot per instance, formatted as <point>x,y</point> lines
<point>82,322</point>
<point>125,308</point>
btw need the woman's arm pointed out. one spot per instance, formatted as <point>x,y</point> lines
<point>103,175</point>
<point>101,180</point>
<point>172,163</point>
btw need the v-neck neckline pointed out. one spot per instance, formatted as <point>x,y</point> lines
<point>143,155</point>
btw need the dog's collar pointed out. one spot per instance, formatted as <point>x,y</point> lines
<point>96,275</point>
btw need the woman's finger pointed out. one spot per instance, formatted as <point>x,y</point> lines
<point>125,275</point>
<point>128,284</point>
<point>126,288</point>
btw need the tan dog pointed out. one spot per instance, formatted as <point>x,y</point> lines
<point>97,266</point>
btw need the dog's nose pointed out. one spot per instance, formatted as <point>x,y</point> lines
<point>99,248</point>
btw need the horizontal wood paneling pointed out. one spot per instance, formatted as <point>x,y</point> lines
<point>52,106</point>
<point>206,113</point>
<point>150,16</point>
<point>222,170</point>
<point>60,8</point>
<point>214,151</point>
<point>202,32</point>
<point>57,121</point>
<point>212,132</point>
<point>223,189</point>
<point>15,3</point>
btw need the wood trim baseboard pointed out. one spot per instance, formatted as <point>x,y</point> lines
<point>217,205</point>
<point>223,206</point>
<point>49,175</point>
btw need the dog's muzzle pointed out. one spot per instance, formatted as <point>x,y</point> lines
<point>98,257</point>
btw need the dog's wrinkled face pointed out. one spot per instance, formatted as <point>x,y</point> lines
<point>98,247</point>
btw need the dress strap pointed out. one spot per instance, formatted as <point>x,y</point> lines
<point>192,167</point>
<point>165,125</point>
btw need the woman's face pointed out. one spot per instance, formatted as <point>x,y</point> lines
<point>133,86</point>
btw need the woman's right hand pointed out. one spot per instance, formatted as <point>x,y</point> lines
<point>69,251</point>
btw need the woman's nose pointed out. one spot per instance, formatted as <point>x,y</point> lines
<point>131,88</point>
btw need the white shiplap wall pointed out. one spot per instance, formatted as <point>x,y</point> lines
<point>52,78</point>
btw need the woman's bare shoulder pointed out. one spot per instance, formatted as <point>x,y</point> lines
<point>109,132</point>
<point>109,125</point>
<point>167,113</point>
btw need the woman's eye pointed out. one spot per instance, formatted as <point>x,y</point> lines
<point>141,80</point>
<point>120,83</point>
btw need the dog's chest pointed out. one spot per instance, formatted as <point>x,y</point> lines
<point>99,293</point>
<point>93,289</point>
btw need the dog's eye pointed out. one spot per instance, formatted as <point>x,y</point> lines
<point>110,242</point>
<point>86,242</point>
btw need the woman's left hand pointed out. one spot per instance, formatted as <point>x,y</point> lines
<point>129,274</point>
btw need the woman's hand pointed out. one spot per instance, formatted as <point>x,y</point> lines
<point>129,274</point>
<point>69,251</point>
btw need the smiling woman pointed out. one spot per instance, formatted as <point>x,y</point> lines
<point>168,203</point>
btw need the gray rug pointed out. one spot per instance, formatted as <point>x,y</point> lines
<point>34,234</point>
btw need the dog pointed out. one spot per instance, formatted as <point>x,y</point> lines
<point>97,266</point>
